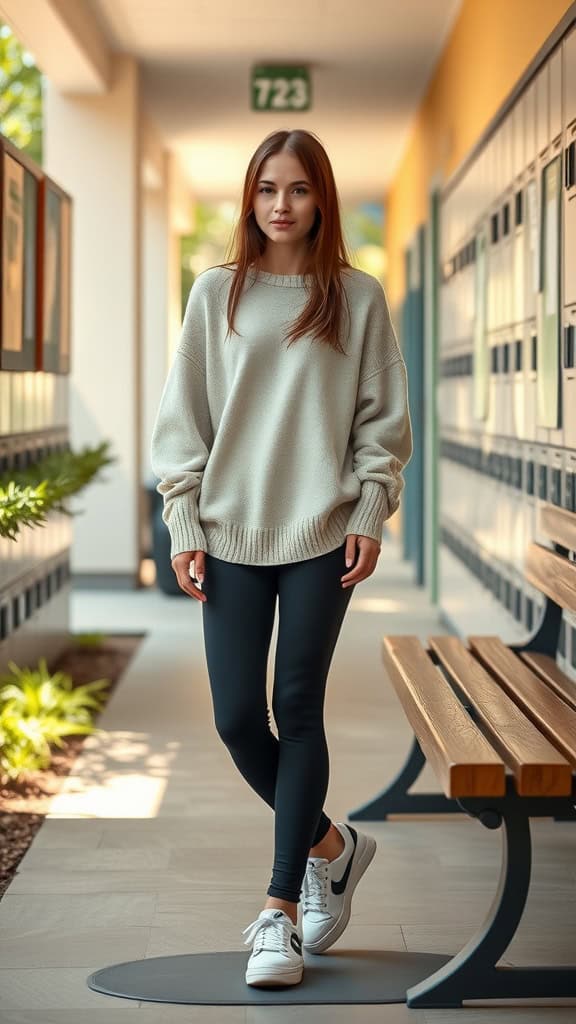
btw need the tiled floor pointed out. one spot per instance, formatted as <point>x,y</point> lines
<point>156,845</point>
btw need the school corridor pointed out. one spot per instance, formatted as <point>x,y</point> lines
<point>451,128</point>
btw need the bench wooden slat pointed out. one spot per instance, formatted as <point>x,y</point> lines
<point>552,574</point>
<point>460,754</point>
<point>552,674</point>
<point>539,768</point>
<point>548,711</point>
<point>559,524</point>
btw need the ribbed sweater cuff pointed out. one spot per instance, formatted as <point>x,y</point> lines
<point>371,510</point>
<point>181,518</point>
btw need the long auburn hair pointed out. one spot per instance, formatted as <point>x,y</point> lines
<point>327,251</point>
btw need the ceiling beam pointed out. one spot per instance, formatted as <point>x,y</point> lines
<point>65,40</point>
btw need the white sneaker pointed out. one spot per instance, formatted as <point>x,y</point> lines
<point>276,957</point>
<point>328,887</point>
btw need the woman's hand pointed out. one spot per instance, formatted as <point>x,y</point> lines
<point>369,550</point>
<point>181,566</point>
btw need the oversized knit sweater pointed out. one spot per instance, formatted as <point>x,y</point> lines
<point>270,453</point>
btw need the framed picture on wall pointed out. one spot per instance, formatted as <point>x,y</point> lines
<point>56,213</point>
<point>19,249</point>
<point>31,190</point>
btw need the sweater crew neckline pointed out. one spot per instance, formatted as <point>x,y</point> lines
<point>280,280</point>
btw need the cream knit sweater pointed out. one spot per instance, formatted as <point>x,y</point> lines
<point>269,453</point>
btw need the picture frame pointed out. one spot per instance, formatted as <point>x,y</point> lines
<point>35,255</point>
<point>55,255</point>
<point>19,188</point>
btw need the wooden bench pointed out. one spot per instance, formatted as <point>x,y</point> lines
<point>497,723</point>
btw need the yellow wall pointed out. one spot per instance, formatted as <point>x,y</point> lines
<point>489,48</point>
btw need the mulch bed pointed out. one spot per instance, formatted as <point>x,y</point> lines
<point>24,802</point>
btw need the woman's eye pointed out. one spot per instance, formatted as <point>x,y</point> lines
<point>267,188</point>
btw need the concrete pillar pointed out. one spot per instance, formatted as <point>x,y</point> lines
<point>167,214</point>
<point>92,147</point>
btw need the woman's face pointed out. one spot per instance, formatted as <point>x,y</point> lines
<point>284,193</point>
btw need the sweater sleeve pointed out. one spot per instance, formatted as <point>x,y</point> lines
<point>182,435</point>
<point>381,439</point>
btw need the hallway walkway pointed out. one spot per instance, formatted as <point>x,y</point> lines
<point>156,845</point>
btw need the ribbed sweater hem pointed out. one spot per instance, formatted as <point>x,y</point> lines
<point>291,542</point>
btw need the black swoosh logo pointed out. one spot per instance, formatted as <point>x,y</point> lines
<point>295,943</point>
<point>338,887</point>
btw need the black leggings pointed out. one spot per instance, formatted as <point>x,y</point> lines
<point>290,773</point>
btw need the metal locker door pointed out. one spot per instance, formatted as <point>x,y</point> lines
<point>529,380</point>
<point>507,384</point>
<point>569,77</point>
<point>569,378</point>
<point>569,212</point>
<point>507,293</point>
<point>518,258</point>
<point>542,112</point>
<point>518,397</point>
<point>518,137</point>
<point>530,147</point>
<point>532,250</point>
<point>555,94</point>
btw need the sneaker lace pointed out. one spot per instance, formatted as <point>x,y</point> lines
<point>315,886</point>
<point>267,933</point>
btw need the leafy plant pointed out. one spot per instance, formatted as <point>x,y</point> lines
<point>89,639</point>
<point>37,709</point>
<point>26,495</point>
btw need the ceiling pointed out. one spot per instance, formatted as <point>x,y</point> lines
<point>369,62</point>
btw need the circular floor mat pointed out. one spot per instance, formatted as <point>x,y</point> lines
<point>217,979</point>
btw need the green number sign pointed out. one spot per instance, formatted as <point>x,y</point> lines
<point>280,88</point>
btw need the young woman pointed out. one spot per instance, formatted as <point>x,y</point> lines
<point>279,442</point>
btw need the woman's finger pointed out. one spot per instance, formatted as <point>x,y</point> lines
<point>189,588</point>
<point>361,571</point>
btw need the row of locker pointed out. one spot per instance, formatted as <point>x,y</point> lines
<point>507,319</point>
<point>33,400</point>
<point>19,603</point>
<point>512,592</point>
<point>507,399</point>
<point>37,626</point>
<point>530,132</point>
<point>500,579</point>
<point>501,517</point>
<point>33,547</point>
<point>17,453</point>
<point>523,469</point>
<point>509,283</point>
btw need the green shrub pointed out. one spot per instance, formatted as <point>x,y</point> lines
<point>27,495</point>
<point>89,639</point>
<point>37,709</point>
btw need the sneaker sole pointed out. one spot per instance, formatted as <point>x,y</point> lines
<point>271,977</point>
<point>340,923</point>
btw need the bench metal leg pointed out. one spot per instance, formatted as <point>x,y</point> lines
<point>396,799</point>
<point>472,973</point>
<point>545,638</point>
